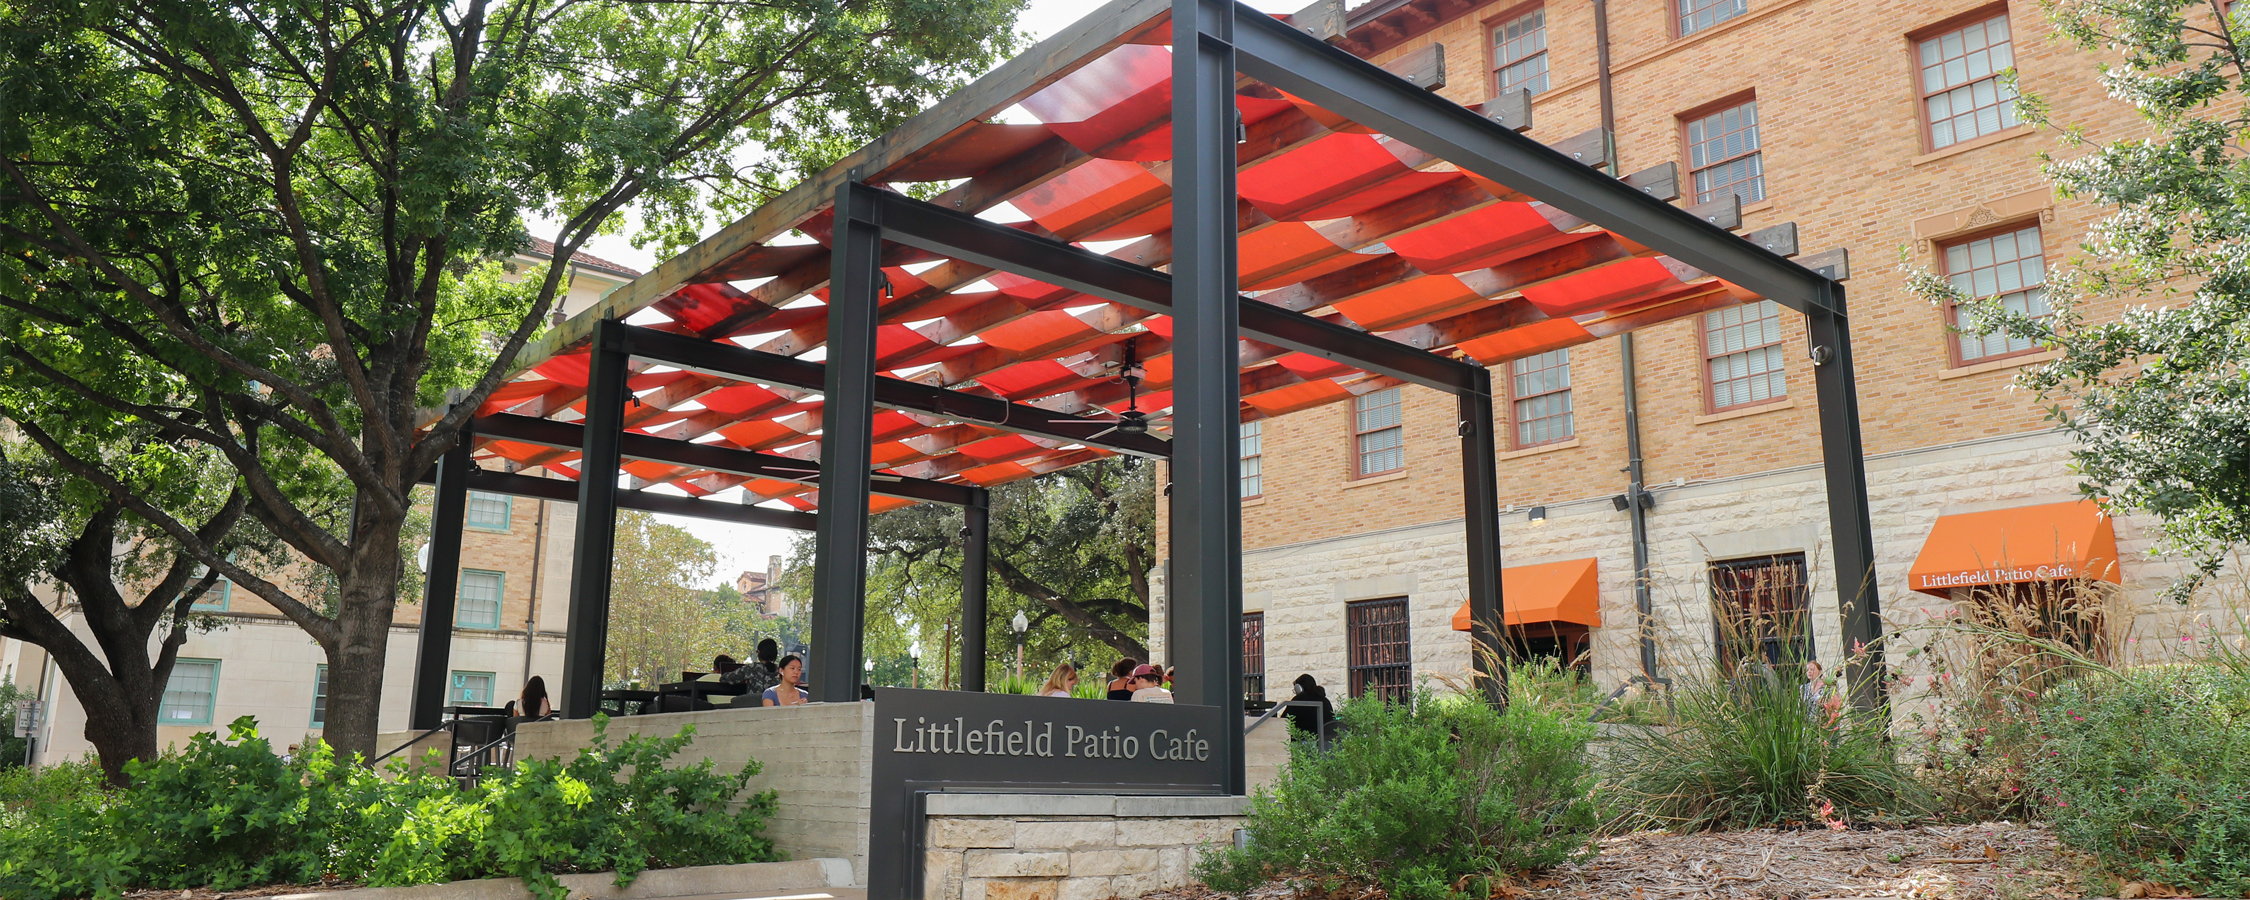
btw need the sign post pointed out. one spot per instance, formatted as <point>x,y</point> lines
<point>959,741</point>
<point>27,724</point>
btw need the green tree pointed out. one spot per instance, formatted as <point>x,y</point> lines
<point>662,621</point>
<point>273,227</point>
<point>2159,397</point>
<point>1071,550</point>
<point>130,583</point>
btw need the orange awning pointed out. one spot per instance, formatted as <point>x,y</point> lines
<point>1564,591</point>
<point>2048,542</point>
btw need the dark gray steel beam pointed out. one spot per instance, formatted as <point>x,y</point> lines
<point>847,443</point>
<point>586,640</point>
<point>1480,495</point>
<point>730,361</point>
<point>1278,55</point>
<point>712,457</point>
<point>965,237</point>
<point>1205,591</point>
<point>976,543</point>
<point>1851,529</point>
<point>561,491</point>
<point>433,649</point>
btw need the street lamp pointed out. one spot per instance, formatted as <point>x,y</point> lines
<point>914,652</point>
<point>870,667</point>
<point>1021,625</point>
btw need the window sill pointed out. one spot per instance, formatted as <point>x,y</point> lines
<point>1998,365</point>
<point>1739,412</point>
<point>1536,450</point>
<point>1259,500</point>
<point>1375,479</point>
<point>1760,206</point>
<point>487,529</point>
<point>2005,134</point>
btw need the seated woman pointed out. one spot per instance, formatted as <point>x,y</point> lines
<point>533,704</point>
<point>787,693</point>
<point>1062,682</point>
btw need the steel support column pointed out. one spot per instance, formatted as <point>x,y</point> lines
<point>1205,592</point>
<point>976,536</point>
<point>1844,461</point>
<point>847,442</point>
<point>441,586</point>
<point>1480,498</point>
<point>587,642</point>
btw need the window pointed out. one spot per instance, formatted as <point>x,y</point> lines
<point>1378,433</point>
<point>1252,434</point>
<point>2010,267</point>
<point>471,689</point>
<point>1254,656</point>
<point>1519,53</point>
<point>1723,154</point>
<point>190,693</point>
<point>1742,355</point>
<point>1696,15</point>
<point>1961,88</point>
<point>216,598</point>
<point>1540,386</point>
<point>320,696</point>
<point>478,605</point>
<point>1379,642</point>
<point>1759,610</point>
<point>489,512</point>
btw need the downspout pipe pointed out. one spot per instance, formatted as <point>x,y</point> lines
<point>1636,507</point>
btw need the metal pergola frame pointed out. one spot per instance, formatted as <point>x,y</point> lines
<point>1213,42</point>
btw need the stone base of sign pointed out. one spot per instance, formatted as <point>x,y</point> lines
<point>1068,846</point>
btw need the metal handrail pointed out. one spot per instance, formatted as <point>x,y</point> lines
<point>1321,720</point>
<point>442,726</point>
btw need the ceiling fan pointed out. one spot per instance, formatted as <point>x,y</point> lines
<point>1132,420</point>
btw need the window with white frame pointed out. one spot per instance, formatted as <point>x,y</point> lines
<point>2009,267</point>
<point>1723,154</point>
<point>1696,15</point>
<point>1519,53</point>
<point>1253,457</point>
<point>1540,388</point>
<point>1743,355</point>
<point>1378,433</point>
<point>1963,94</point>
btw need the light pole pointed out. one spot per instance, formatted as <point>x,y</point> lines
<point>914,652</point>
<point>870,666</point>
<point>1021,625</point>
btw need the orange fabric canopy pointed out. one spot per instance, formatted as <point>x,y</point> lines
<point>2048,542</point>
<point>1564,591</point>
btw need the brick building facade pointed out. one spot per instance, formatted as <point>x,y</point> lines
<point>1883,129</point>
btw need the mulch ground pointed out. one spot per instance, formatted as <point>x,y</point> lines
<point>1996,861</point>
<point>271,890</point>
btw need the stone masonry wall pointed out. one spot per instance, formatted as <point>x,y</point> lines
<point>819,756</point>
<point>1017,847</point>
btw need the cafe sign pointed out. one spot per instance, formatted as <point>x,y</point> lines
<point>955,741</point>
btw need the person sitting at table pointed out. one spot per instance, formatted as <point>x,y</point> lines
<point>759,674</point>
<point>787,693</point>
<point>1307,719</point>
<point>533,704</point>
<point>1121,679</point>
<point>1062,682</point>
<point>1148,686</point>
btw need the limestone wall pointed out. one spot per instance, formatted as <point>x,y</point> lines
<point>817,755</point>
<point>1048,847</point>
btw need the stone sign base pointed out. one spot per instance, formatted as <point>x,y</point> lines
<point>1068,846</point>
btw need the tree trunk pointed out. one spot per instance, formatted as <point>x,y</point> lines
<point>369,598</point>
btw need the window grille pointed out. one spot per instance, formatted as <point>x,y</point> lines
<point>1379,641</point>
<point>1759,610</point>
<point>1254,656</point>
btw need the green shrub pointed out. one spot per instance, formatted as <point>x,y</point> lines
<point>1416,797</point>
<point>227,814</point>
<point>2149,771</point>
<point>1747,752</point>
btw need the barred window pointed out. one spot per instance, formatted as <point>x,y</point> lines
<point>1541,388</point>
<point>190,693</point>
<point>1378,433</point>
<point>1962,91</point>
<point>1723,154</point>
<point>1743,355</point>
<point>1252,436</point>
<point>1254,656</point>
<point>2010,267</point>
<point>1759,610</point>
<point>1696,15</point>
<point>1519,53</point>
<point>1379,643</point>
<point>478,605</point>
<point>489,512</point>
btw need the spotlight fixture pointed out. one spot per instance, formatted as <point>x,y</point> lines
<point>1538,514</point>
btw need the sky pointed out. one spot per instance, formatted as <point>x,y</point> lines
<point>746,547</point>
